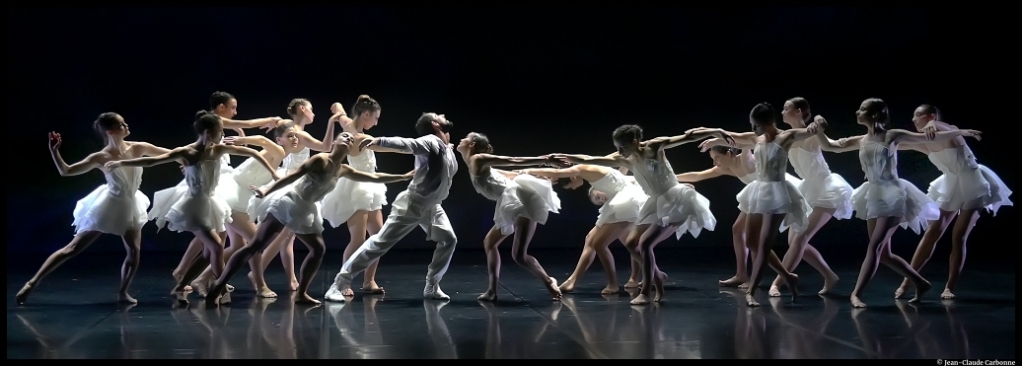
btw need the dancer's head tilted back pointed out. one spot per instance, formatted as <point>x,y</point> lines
<point>366,112</point>
<point>626,139</point>
<point>434,124</point>
<point>474,143</point>
<point>300,110</point>
<point>342,146</point>
<point>223,104</point>
<point>763,118</point>
<point>111,125</point>
<point>924,114</point>
<point>796,113</point>
<point>722,154</point>
<point>208,126</point>
<point>873,112</point>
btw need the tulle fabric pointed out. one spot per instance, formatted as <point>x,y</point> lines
<point>679,205</point>
<point>895,198</point>
<point>772,198</point>
<point>106,213</point>
<point>970,190</point>
<point>350,196</point>
<point>623,207</point>
<point>528,197</point>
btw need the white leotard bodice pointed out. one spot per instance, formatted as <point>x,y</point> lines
<point>654,176</point>
<point>490,184</point>
<point>203,177</point>
<point>771,162</point>
<point>314,186</point>
<point>878,161</point>
<point>293,161</point>
<point>807,164</point>
<point>123,181</point>
<point>954,160</point>
<point>611,184</point>
<point>365,162</point>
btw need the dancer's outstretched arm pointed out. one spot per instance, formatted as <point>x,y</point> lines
<point>614,160</point>
<point>571,172</point>
<point>150,149</point>
<point>315,144</point>
<point>418,146</point>
<point>692,177</point>
<point>267,123</point>
<point>692,135</point>
<point>483,161</point>
<point>315,162</point>
<point>244,151</point>
<point>841,145</point>
<point>268,146</point>
<point>904,136</point>
<point>176,155</point>
<point>739,139</point>
<point>716,141</point>
<point>90,162</point>
<point>359,176</point>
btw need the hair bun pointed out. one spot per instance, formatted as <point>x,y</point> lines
<point>201,112</point>
<point>364,97</point>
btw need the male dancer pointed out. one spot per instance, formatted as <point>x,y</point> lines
<point>419,205</point>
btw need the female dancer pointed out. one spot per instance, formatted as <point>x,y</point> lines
<point>963,189</point>
<point>296,209</point>
<point>116,207</point>
<point>523,202</point>
<point>730,161</point>
<point>619,199</point>
<point>672,207</point>
<point>200,211</point>
<point>224,105</point>
<point>827,194</point>
<point>300,111</point>
<point>884,200</point>
<point>770,201</point>
<point>237,193</point>
<point>359,203</point>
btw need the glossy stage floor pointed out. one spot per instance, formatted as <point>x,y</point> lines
<point>73,315</point>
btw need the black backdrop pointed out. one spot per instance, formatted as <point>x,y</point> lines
<point>535,80</point>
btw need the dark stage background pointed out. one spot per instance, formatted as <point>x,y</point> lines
<point>536,81</point>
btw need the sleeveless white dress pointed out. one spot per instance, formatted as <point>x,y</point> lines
<point>670,202</point>
<point>624,199</point>
<point>200,208</point>
<point>349,196</point>
<point>774,191</point>
<point>165,198</point>
<point>115,207</point>
<point>525,196</point>
<point>965,184</point>
<point>257,207</point>
<point>885,195</point>
<point>234,188</point>
<point>297,208</point>
<point>821,187</point>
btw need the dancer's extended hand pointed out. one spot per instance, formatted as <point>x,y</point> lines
<point>269,126</point>
<point>54,141</point>
<point>409,175</point>
<point>821,124</point>
<point>257,191</point>
<point>972,133</point>
<point>110,165</point>
<point>558,161</point>
<point>930,130</point>
<point>231,140</point>
<point>366,143</point>
<point>708,143</point>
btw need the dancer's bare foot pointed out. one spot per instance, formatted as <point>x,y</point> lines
<point>900,292</point>
<point>632,283</point>
<point>774,291</point>
<point>23,294</point>
<point>793,286</point>
<point>947,295</point>
<point>306,299</point>
<point>640,300</point>
<point>181,297</point>
<point>743,286</point>
<point>732,282</point>
<point>201,287</point>
<point>555,291</point>
<point>568,285</point>
<point>372,288</point>
<point>609,290</point>
<point>294,284</point>
<point>856,303</point>
<point>177,279</point>
<point>124,298</point>
<point>921,289</point>
<point>829,281</point>
<point>348,292</point>
<point>262,290</point>
<point>489,295</point>
<point>658,286</point>
<point>751,301</point>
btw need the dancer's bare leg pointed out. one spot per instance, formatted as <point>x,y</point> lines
<point>798,245</point>
<point>934,231</point>
<point>358,225</point>
<point>75,247</point>
<point>271,251</point>
<point>524,230</point>
<point>311,264</point>
<point>598,245</point>
<point>193,251</point>
<point>491,243</point>
<point>133,248</point>
<point>635,275</point>
<point>762,234</point>
<point>959,237</point>
<point>879,250</point>
<point>287,259</point>
<point>648,240</point>
<point>198,266</point>
<point>241,232</point>
<point>741,254</point>
<point>269,230</point>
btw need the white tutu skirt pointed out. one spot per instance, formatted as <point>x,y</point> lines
<point>164,199</point>
<point>897,198</point>
<point>199,213</point>
<point>830,191</point>
<point>774,198</point>
<point>679,205</point>
<point>977,188</point>
<point>289,209</point>
<point>103,212</point>
<point>350,196</point>
<point>624,207</point>
<point>528,197</point>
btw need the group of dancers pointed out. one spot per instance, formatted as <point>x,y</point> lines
<point>283,192</point>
